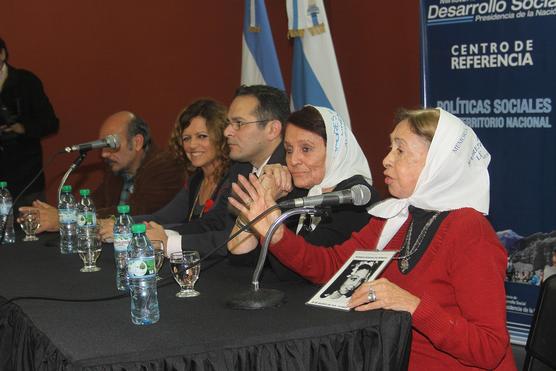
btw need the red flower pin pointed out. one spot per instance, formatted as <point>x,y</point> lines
<point>208,205</point>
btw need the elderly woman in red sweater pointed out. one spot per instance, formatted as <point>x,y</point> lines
<point>449,271</point>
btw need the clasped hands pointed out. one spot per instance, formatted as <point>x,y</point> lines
<point>255,195</point>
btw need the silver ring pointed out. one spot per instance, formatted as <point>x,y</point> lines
<point>371,296</point>
<point>248,203</point>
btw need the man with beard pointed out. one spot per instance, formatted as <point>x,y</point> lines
<point>138,173</point>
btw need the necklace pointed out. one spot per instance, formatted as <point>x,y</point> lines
<point>196,201</point>
<point>404,264</point>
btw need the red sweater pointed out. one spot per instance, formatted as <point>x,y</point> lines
<point>460,323</point>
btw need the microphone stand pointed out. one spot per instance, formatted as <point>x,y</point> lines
<point>257,298</point>
<point>74,165</point>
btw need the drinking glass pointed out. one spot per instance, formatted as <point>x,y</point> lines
<point>29,220</point>
<point>185,268</point>
<point>158,256</point>
<point>89,247</point>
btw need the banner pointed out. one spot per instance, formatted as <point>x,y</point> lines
<point>259,62</point>
<point>315,75</point>
<point>493,64</point>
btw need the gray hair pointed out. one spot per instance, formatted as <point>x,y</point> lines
<point>137,125</point>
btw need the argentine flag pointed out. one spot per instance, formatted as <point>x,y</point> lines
<point>259,64</point>
<point>315,75</point>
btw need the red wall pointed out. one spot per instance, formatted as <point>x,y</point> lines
<point>99,57</point>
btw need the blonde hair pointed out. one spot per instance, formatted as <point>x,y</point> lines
<point>423,122</point>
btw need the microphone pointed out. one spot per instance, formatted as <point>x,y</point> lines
<point>357,195</point>
<point>111,141</point>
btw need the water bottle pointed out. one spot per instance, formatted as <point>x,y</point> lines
<point>86,212</point>
<point>141,272</point>
<point>67,214</point>
<point>6,214</point>
<point>122,238</point>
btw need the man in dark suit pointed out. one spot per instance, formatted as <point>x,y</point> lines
<point>256,116</point>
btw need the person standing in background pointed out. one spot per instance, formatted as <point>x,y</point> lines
<point>26,116</point>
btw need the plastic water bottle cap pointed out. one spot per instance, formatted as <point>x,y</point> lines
<point>138,228</point>
<point>84,192</point>
<point>66,188</point>
<point>123,209</point>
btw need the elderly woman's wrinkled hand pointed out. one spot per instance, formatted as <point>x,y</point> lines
<point>386,295</point>
<point>253,200</point>
<point>276,179</point>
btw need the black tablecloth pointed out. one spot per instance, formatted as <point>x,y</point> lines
<point>199,333</point>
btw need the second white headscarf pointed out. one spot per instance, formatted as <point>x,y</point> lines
<point>344,156</point>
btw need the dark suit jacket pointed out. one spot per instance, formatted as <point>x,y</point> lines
<point>213,230</point>
<point>177,211</point>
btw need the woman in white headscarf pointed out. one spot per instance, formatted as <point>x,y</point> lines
<point>322,155</point>
<point>449,271</point>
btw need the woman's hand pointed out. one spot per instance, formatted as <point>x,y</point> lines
<point>277,179</point>
<point>156,232</point>
<point>255,200</point>
<point>387,294</point>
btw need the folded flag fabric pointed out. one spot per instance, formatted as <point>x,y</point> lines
<point>315,75</point>
<point>259,65</point>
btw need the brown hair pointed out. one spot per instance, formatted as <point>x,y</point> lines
<point>215,115</point>
<point>423,122</point>
<point>310,119</point>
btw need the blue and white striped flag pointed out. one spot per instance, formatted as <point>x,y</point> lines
<point>315,75</point>
<point>259,64</point>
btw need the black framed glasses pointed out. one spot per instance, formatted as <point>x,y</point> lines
<point>237,124</point>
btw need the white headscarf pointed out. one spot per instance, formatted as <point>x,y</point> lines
<point>344,157</point>
<point>455,176</point>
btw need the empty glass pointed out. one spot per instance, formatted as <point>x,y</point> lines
<point>89,247</point>
<point>185,268</point>
<point>29,220</point>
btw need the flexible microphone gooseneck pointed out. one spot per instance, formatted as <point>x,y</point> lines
<point>257,298</point>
